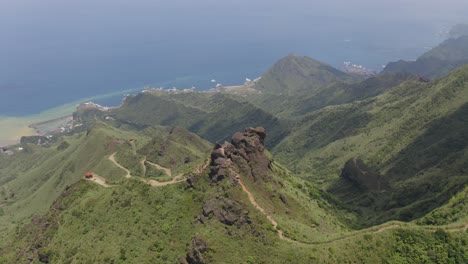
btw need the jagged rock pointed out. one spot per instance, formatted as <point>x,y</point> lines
<point>195,252</point>
<point>218,152</point>
<point>243,155</point>
<point>227,211</point>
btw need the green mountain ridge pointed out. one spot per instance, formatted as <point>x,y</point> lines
<point>338,166</point>
<point>210,221</point>
<point>406,147</point>
<point>437,62</point>
<point>294,75</point>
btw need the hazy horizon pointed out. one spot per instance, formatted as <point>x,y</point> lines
<point>55,52</point>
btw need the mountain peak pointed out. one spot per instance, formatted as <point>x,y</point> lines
<point>297,75</point>
<point>244,155</point>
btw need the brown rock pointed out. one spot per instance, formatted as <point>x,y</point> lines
<point>244,155</point>
<point>195,252</point>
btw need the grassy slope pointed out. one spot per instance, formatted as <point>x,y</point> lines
<point>387,132</point>
<point>295,75</point>
<point>173,148</point>
<point>30,180</point>
<point>295,86</point>
<point>437,62</point>
<point>212,116</point>
<point>33,178</point>
<point>401,134</point>
<point>134,223</point>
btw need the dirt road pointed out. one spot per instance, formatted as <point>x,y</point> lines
<point>462,227</point>
<point>112,158</point>
<point>175,180</point>
<point>269,217</point>
<point>159,167</point>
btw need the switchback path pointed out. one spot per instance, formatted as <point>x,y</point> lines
<point>159,167</point>
<point>372,230</point>
<point>112,158</point>
<point>177,179</point>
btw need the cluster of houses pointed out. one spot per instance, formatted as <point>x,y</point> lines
<point>357,69</point>
<point>218,86</point>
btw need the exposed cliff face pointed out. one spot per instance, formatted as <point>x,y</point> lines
<point>244,155</point>
<point>356,172</point>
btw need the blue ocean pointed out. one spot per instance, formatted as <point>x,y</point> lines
<point>55,52</point>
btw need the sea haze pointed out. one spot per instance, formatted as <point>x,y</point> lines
<point>53,52</point>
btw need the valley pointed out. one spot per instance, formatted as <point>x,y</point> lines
<point>307,164</point>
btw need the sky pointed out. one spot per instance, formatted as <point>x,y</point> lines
<point>55,51</point>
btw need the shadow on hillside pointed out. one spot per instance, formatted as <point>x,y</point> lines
<point>423,176</point>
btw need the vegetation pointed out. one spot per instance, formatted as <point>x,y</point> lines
<point>348,158</point>
<point>437,62</point>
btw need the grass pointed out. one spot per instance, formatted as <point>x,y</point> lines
<point>413,134</point>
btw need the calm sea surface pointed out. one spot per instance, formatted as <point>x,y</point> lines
<point>54,52</point>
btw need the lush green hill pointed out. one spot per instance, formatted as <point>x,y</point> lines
<point>413,136</point>
<point>258,212</point>
<point>347,156</point>
<point>33,177</point>
<point>437,62</point>
<point>339,93</point>
<point>389,131</point>
<point>295,75</point>
<point>296,85</point>
<point>210,115</point>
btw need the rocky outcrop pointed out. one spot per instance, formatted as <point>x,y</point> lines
<point>227,211</point>
<point>358,174</point>
<point>244,155</point>
<point>195,252</point>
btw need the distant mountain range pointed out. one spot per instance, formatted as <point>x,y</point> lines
<point>440,60</point>
<point>306,165</point>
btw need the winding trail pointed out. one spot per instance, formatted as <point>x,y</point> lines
<point>462,227</point>
<point>177,179</point>
<point>112,158</point>
<point>159,167</point>
<point>142,162</point>
<point>155,183</point>
<point>202,167</point>
<point>269,217</point>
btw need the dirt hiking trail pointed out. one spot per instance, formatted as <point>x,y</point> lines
<point>461,227</point>
<point>112,158</point>
<point>177,179</point>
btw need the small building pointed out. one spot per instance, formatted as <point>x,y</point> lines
<point>89,175</point>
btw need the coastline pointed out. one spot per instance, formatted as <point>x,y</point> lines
<point>12,128</point>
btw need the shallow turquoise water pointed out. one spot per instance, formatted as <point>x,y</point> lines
<point>53,52</point>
